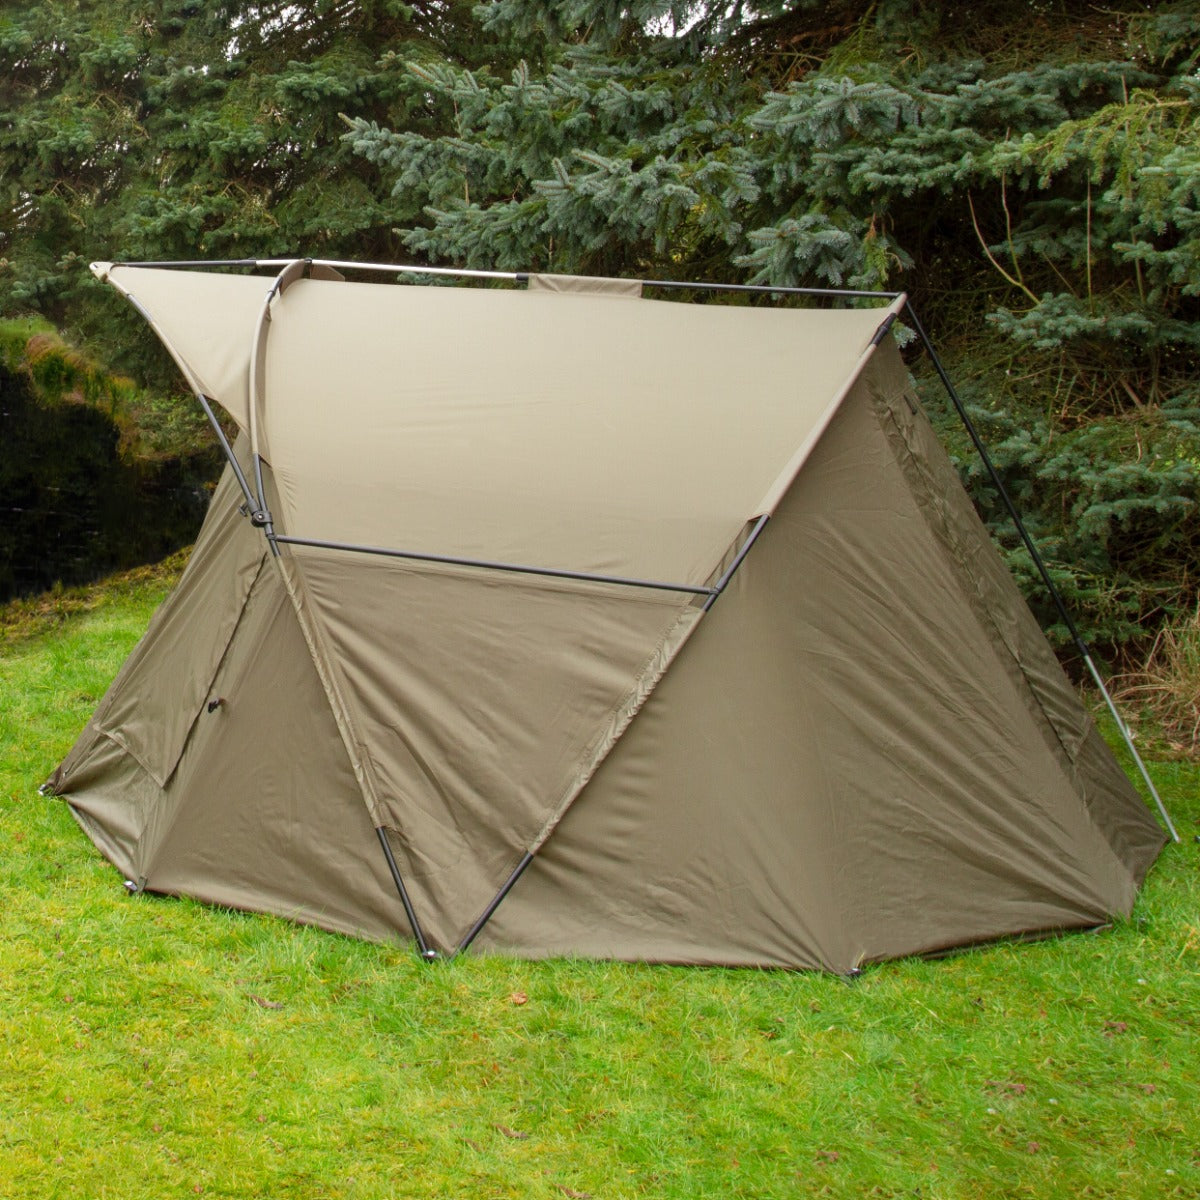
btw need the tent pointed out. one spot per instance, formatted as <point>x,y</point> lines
<point>557,620</point>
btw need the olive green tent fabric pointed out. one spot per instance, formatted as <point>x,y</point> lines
<point>847,761</point>
<point>479,727</point>
<point>863,748</point>
<point>260,810</point>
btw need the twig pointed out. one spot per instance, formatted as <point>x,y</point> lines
<point>1017,283</point>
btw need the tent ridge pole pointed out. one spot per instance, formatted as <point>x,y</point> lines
<point>195,262</point>
<point>493,565</point>
<point>522,276</point>
<point>1039,563</point>
<point>426,951</point>
<point>486,915</point>
<point>768,289</point>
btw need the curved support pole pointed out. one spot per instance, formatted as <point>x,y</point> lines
<point>262,515</point>
<point>227,450</point>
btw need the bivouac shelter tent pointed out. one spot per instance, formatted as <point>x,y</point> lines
<point>556,620</point>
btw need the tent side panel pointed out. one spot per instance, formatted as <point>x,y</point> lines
<point>484,703</point>
<point>264,812</point>
<point>151,705</point>
<point>252,804</point>
<point>840,765</point>
<point>1110,798</point>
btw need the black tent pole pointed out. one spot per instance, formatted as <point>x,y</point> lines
<point>998,484</point>
<point>486,915</point>
<point>1039,563</point>
<point>227,449</point>
<point>427,952</point>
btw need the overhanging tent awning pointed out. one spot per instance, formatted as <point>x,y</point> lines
<point>607,435</point>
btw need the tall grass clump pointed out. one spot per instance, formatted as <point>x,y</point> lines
<point>1165,686</point>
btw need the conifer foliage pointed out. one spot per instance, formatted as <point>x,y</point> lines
<point>161,129</point>
<point>1029,170</point>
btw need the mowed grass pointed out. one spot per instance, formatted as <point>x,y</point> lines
<point>155,1047</point>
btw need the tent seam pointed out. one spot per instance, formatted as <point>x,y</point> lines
<point>614,727</point>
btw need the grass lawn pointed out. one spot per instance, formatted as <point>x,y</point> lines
<point>155,1048</point>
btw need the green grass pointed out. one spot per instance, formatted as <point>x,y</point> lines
<point>157,1048</point>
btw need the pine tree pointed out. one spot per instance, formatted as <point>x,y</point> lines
<point>1029,170</point>
<point>161,129</point>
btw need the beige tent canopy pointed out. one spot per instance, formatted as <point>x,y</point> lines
<point>552,619</point>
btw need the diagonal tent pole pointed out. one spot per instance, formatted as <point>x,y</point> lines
<point>427,952</point>
<point>261,517</point>
<point>1039,563</point>
<point>227,450</point>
